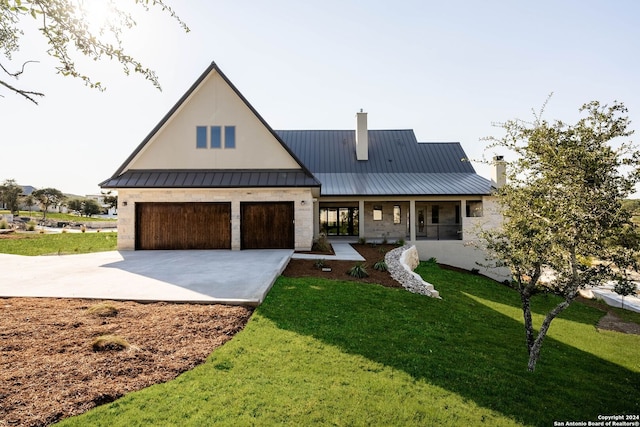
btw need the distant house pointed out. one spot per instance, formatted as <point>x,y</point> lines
<point>213,174</point>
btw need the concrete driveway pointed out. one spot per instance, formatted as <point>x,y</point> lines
<point>202,276</point>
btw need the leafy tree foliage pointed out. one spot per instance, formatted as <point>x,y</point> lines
<point>28,201</point>
<point>564,225</point>
<point>48,197</point>
<point>625,287</point>
<point>10,195</point>
<point>110,199</point>
<point>66,27</point>
<point>75,205</point>
<point>90,207</point>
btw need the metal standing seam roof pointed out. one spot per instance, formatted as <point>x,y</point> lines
<point>187,178</point>
<point>398,164</point>
<point>402,184</point>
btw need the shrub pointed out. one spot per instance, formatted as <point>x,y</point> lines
<point>103,309</point>
<point>110,342</point>
<point>362,241</point>
<point>385,240</point>
<point>3,224</point>
<point>321,244</point>
<point>83,228</point>
<point>380,266</point>
<point>359,270</point>
<point>400,242</point>
<point>31,226</point>
<point>320,263</point>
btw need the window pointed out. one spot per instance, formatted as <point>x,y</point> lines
<point>435,214</point>
<point>396,214</point>
<point>377,213</point>
<point>474,208</point>
<point>229,137</point>
<point>216,137</point>
<point>201,137</point>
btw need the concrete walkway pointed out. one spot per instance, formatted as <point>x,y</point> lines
<point>198,276</point>
<point>343,252</point>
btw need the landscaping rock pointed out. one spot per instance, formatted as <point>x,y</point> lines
<point>401,263</point>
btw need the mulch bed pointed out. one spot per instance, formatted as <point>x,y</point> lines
<point>49,370</point>
<point>339,269</point>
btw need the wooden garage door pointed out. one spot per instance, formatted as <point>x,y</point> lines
<point>183,225</point>
<point>267,225</point>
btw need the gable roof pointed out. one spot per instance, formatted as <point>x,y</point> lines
<point>211,69</point>
<point>398,164</point>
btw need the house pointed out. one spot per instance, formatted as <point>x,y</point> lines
<point>213,174</point>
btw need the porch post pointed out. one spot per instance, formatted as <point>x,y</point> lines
<point>412,218</point>
<point>463,216</point>
<point>361,216</point>
<point>316,218</point>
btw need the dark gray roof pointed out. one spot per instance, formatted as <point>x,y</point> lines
<point>189,178</point>
<point>398,164</point>
<point>402,184</point>
<point>393,151</point>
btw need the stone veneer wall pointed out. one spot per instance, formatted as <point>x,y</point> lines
<point>386,227</point>
<point>302,198</point>
<point>401,262</point>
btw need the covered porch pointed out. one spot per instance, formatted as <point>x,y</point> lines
<point>394,219</point>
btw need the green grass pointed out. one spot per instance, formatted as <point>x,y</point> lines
<point>340,353</point>
<point>59,243</point>
<point>62,216</point>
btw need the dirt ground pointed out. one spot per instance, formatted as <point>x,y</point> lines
<point>49,369</point>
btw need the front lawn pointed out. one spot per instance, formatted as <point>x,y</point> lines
<point>57,243</point>
<point>342,353</point>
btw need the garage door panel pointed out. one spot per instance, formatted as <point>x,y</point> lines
<point>183,226</point>
<point>267,225</point>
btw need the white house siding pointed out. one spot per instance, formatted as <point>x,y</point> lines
<point>302,198</point>
<point>467,253</point>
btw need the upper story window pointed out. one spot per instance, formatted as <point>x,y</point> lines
<point>214,137</point>
<point>201,137</point>
<point>229,137</point>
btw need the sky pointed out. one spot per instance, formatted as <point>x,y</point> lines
<point>448,70</point>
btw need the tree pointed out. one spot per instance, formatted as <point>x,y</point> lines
<point>48,197</point>
<point>75,205</point>
<point>110,199</point>
<point>562,208</point>
<point>10,194</point>
<point>28,201</point>
<point>91,207</point>
<point>66,26</point>
<point>624,287</point>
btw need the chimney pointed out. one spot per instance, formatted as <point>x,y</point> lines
<point>362,136</point>
<point>499,171</point>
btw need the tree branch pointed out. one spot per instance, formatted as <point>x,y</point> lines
<point>26,93</point>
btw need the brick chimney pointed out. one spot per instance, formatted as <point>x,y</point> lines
<point>362,136</point>
<point>499,171</point>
